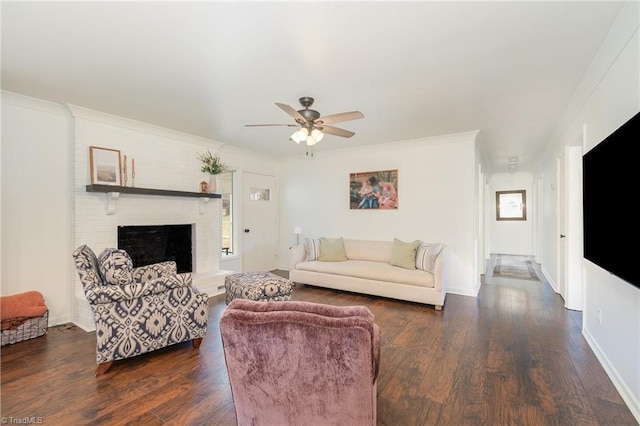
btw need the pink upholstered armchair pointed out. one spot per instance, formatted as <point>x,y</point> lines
<point>301,363</point>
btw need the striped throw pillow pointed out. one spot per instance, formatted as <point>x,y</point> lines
<point>312,246</point>
<point>426,256</point>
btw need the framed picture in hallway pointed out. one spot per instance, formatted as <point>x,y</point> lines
<point>373,190</point>
<point>511,205</point>
<point>105,166</point>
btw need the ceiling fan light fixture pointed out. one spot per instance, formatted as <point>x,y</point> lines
<point>317,135</point>
<point>302,134</point>
<point>294,138</point>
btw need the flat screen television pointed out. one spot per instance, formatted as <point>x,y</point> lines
<point>611,186</point>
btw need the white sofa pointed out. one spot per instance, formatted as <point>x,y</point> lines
<point>368,270</point>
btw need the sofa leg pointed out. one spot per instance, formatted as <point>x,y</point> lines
<point>196,342</point>
<point>102,368</point>
<point>438,307</point>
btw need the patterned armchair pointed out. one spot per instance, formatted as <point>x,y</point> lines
<point>138,310</point>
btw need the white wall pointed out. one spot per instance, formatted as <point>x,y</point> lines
<point>36,202</point>
<point>608,95</point>
<point>436,190</point>
<point>512,236</point>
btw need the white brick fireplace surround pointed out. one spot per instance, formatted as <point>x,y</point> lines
<point>164,159</point>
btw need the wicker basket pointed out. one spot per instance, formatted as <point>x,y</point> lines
<point>24,329</point>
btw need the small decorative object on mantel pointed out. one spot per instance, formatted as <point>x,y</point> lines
<point>124,170</point>
<point>105,166</point>
<point>125,173</point>
<point>204,187</point>
<point>214,166</point>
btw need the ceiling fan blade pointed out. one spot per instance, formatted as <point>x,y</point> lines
<point>292,112</point>
<point>339,118</point>
<point>260,125</point>
<point>336,131</point>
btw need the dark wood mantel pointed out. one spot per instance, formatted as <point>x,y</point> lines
<point>149,191</point>
<point>113,192</point>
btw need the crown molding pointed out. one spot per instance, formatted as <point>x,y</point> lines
<point>82,113</point>
<point>37,104</point>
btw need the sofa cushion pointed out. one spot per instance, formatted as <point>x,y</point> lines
<point>115,266</point>
<point>404,254</point>
<point>426,255</point>
<point>332,250</point>
<point>377,271</point>
<point>375,251</point>
<point>312,247</point>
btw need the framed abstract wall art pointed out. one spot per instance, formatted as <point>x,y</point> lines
<point>373,190</point>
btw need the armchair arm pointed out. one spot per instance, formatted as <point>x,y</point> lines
<point>114,293</point>
<point>376,352</point>
<point>153,271</point>
<point>298,254</point>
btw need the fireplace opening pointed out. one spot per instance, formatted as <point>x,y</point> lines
<point>153,244</point>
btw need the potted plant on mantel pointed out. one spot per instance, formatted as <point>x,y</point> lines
<point>214,166</point>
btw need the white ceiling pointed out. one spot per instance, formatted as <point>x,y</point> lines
<point>415,69</point>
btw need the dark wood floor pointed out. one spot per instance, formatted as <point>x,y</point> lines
<point>513,356</point>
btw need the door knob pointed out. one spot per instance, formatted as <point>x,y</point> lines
<point>562,236</point>
<point>247,230</point>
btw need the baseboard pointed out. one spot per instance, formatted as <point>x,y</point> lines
<point>463,291</point>
<point>552,283</point>
<point>53,321</point>
<point>618,382</point>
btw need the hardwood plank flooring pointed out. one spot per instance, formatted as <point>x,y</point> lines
<point>512,356</point>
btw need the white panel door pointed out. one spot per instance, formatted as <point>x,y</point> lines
<point>570,228</point>
<point>562,226</point>
<point>260,222</point>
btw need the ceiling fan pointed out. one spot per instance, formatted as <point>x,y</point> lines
<point>313,126</point>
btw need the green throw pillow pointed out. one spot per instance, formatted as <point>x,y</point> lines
<point>332,250</point>
<point>404,254</point>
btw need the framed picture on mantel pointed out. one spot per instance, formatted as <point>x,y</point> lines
<point>105,166</point>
